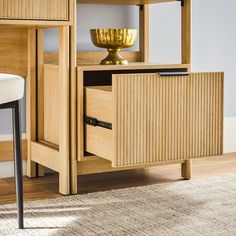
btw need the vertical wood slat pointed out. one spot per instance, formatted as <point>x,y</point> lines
<point>64,110</point>
<point>167,118</point>
<point>186,22</point>
<point>40,83</point>
<point>31,100</point>
<point>144,32</point>
<point>73,96</point>
<point>37,9</point>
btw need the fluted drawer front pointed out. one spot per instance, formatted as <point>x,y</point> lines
<point>166,118</point>
<point>34,9</point>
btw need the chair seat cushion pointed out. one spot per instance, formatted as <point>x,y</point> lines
<point>11,88</point>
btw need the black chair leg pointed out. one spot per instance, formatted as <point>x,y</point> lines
<point>18,164</point>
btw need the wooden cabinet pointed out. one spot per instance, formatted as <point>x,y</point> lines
<point>156,118</point>
<point>34,9</point>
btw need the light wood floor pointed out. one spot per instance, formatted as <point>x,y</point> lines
<point>47,187</point>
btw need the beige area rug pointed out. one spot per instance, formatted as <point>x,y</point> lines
<point>197,207</point>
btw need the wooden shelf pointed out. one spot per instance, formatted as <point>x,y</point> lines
<point>126,2</point>
<point>130,66</point>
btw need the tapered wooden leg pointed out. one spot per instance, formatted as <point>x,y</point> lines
<point>74,188</point>
<point>18,165</point>
<point>186,169</point>
<point>64,184</point>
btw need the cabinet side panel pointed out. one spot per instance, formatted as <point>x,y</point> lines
<point>51,105</point>
<point>167,118</point>
<point>13,51</point>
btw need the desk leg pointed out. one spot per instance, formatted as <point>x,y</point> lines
<point>186,169</point>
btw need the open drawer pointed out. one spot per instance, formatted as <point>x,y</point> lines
<point>34,9</point>
<point>155,118</point>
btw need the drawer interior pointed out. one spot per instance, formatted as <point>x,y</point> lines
<point>98,101</point>
<point>104,77</point>
<point>98,105</point>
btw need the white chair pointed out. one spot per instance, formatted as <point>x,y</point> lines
<point>11,91</point>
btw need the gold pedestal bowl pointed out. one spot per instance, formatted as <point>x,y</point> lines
<point>113,40</point>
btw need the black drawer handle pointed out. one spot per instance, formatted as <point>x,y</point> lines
<point>174,74</point>
<point>95,122</point>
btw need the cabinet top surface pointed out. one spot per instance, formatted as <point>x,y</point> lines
<point>130,66</point>
<point>128,2</point>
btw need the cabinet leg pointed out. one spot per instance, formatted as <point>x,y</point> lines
<point>74,188</point>
<point>34,169</point>
<point>64,184</point>
<point>186,169</point>
<point>31,169</point>
<point>41,170</point>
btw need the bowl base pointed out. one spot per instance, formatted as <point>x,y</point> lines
<point>114,58</point>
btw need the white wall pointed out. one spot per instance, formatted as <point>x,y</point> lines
<point>165,33</point>
<point>214,40</point>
